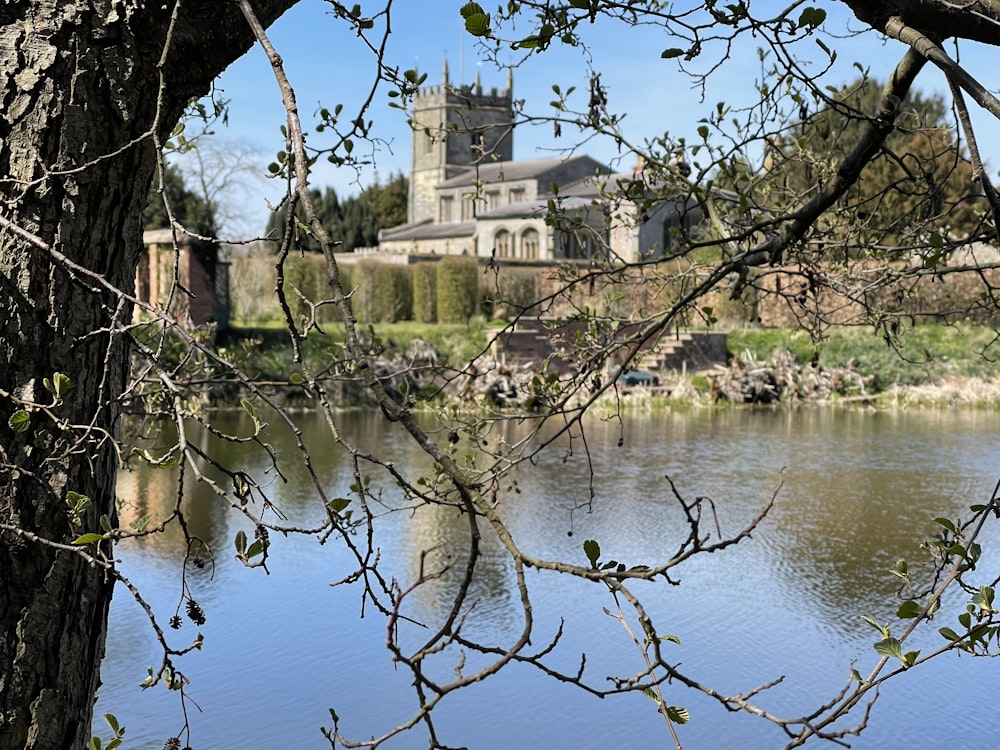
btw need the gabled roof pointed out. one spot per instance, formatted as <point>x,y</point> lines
<point>428,231</point>
<point>529,169</point>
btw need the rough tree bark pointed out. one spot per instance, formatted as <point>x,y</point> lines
<point>84,87</point>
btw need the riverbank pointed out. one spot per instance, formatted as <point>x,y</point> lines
<point>920,366</point>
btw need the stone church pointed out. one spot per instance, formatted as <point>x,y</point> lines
<point>468,196</point>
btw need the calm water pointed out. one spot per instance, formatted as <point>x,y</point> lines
<point>859,492</point>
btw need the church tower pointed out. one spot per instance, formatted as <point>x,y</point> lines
<point>453,127</point>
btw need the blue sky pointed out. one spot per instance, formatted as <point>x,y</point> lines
<point>328,65</point>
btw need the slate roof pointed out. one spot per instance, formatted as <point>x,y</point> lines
<point>514,171</point>
<point>429,231</point>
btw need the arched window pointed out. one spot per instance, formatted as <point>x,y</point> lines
<point>529,244</point>
<point>501,244</point>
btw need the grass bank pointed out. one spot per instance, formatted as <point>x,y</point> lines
<point>923,364</point>
<point>922,355</point>
<point>265,351</point>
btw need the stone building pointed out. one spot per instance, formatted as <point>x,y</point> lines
<point>189,278</point>
<point>468,196</point>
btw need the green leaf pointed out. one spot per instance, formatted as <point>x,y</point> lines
<point>883,629</point>
<point>671,638</point>
<point>593,552</point>
<point>88,539</point>
<point>477,22</point>
<point>339,503</point>
<point>61,384</point>
<point>672,52</point>
<point>19,420</point>
<point>811,17</point>
<point>478,25</point>
<point>77,502</point>
<point>909,658</point>
<point>112,721</point>
<point>678,714</point>
<point>94,744</point>
<point>471,9</point>
<point>984,598</point>
<point>169,461</point>
<point>889,647</point>
<point>241,542</point>
<point>947,524</point>
<point>256,548</point>
<point>141,523</point>
<point>909,609</point>
<point>296,378</point>
<point>248,407</point>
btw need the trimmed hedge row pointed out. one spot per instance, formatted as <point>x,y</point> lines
<point>446,291</point>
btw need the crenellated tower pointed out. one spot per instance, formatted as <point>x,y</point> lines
<point>453,127</point>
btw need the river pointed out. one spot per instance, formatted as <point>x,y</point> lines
<point>859,491</point>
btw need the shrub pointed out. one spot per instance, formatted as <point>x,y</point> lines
<point>394,299</point>
<point>425,293</point>
<point>457,289</point>
<point>365,285</point>
<point>518,292</point>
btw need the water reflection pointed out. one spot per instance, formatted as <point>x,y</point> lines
<point>859,491</point>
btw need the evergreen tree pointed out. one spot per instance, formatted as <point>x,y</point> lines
<point>353,222</point>
<point>389,202</point>
<point>190,210</point>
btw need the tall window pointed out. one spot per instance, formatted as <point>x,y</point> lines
<point>529,244</point>
<point>576,244</point>
<point>492,199</point>
<point>447,205</point>
<point>516,195</point>
<point>501,244</point>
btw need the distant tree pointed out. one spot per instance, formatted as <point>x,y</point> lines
<point>388,202</point>
<point>920,181</point>
<point>190,210</point>
<point>353,222</point>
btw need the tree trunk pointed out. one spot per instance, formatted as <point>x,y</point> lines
<point>80,99</point>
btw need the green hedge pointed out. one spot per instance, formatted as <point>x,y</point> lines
<point>383,292</point>
<point>457,289</point>
<point>394,301</point>
<point>425,293</point>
